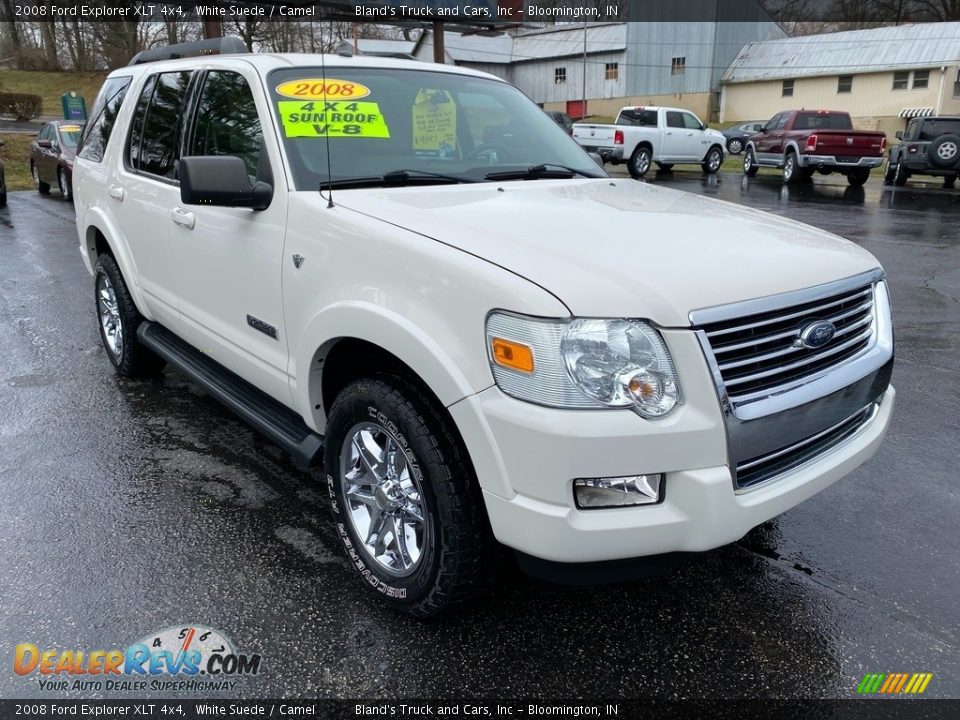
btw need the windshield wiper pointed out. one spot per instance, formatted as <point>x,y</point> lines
<point>534,172</point>
<point>394,178</point>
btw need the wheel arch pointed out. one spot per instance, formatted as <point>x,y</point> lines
<point>100,237</point>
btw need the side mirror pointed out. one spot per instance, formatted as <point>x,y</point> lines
<point>44,143</point>
<point>703,126</point>
<point>221,180</point>
<point>899,134</point>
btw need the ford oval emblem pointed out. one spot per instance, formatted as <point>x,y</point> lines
<point>816,334</point>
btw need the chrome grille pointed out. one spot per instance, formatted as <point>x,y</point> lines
<point>754,471</point>
<point>758,354</point>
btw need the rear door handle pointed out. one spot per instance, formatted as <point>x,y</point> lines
<point>182,217</point>
<point>116,192</point>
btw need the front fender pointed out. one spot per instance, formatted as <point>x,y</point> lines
<point>389,330</point>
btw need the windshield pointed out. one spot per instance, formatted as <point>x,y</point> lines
<point>69,135</point>
<point>383,120</point>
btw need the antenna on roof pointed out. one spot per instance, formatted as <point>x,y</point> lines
<point>326,129</point>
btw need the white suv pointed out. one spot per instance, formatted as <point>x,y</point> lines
<point>411,274</point>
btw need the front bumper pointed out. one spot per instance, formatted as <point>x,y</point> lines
<point>527,457</point>
<point>834,162</point>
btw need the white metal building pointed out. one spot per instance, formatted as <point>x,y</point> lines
<point>881,76</point>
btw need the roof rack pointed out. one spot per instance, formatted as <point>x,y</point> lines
<point>223,46</point>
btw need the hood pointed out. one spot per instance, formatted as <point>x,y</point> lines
<point>620,248</point>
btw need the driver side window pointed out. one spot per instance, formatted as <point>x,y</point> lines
<point>691,122</point>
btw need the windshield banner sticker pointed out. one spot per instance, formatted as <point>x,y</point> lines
<point>435,122</point>
<point>336,119</point>
<point>319,89</point>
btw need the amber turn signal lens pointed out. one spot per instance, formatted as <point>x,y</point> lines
<point>512,355</point>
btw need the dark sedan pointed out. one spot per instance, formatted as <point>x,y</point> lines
<point>51,157</point>
<point>737,135</point>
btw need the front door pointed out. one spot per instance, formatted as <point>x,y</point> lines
<point>229,259</point>
<point>696,142</point>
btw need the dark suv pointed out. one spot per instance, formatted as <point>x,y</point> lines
<point>930,146</point>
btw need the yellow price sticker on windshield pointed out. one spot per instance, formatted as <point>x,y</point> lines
<point>334,119</point>
<point>434,121</point>
<point>69,128</point>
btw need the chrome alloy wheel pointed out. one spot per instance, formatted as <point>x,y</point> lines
<point>35,175</point>
<point>735,147</point>
<point>62,183</point>
<point>110,319</point>
<point>385,503</point>
<point>714,160</point>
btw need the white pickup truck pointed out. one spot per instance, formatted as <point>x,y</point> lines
<point>410,276</point>
<point>644,135</point>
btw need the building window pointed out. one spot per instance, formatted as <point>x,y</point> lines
<point>678,66</point>
<point>612,71</point>
<point>787,89</point>
<point>921,79</point>
<point>845,84</point>
<point>900,79</point>
<point>559,76</point>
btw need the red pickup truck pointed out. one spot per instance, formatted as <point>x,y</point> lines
<point>802,142</point>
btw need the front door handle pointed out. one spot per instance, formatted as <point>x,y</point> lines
<point>116,192</point>
<point>182,217</point>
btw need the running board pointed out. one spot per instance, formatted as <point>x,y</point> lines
<point>277,422</point>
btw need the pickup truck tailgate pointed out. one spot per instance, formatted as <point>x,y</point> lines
<point>594,135</point>
<point>849,143</point>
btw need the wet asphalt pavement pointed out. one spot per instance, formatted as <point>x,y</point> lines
<point>126,507</point>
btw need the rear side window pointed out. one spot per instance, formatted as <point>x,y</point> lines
<point>642,118</point>
<point>227,121</point>
<point>932,129</point>
<point>136,125</point>
<point>161,126</point>
<point>103,116</point>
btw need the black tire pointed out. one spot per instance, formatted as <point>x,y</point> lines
<point>640,162</point>
<point>750,167</point>
<point>949,181</point>
<point>944,152</point>
<point>666,167</point>
<point>130,358</point>
<point>42,187</point>
<point>712,160</point>
<point>890,174</point>
<point>735,146</point>
<point>901,175</point>
<point>64,185</point>
<point>792,172</point>
<point>456,547</point>
<point>3,193</point>
<point>857,178</point>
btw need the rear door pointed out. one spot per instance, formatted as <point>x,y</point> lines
<point>229,259</point>
<point>146,188</point>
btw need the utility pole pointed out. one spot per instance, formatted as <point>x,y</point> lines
<point>438,54</point>
<point>583,97</point>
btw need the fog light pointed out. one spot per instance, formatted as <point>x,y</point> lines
<point>618,491</point>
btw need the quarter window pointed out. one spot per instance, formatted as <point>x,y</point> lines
<point>227,121</point>
<point>559,75</point>
<point>786,90</point>
<point>921,79</point>
<point>158,147</point>
<point>844,84</point>
<point>678,66</point>
<point>900,79</point>
<point>103,116</point>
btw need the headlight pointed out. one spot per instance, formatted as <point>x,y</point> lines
<point>583,363</point>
